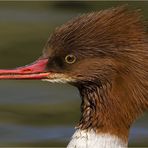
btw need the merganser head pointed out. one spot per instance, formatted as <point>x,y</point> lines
<point>105,55</point>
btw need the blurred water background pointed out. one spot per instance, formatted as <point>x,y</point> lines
<point>35,113</point>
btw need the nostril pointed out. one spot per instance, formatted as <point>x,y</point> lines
<point>26,70</point>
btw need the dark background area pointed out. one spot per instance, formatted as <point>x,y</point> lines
<point>34,113</point>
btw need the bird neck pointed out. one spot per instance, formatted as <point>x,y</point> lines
<point>109,109</point>
<point>89,139</point>
<point>105,110</point>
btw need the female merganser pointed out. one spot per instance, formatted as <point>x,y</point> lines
<point>105,55</point>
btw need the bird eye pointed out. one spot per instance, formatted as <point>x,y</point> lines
<point>70,59</point>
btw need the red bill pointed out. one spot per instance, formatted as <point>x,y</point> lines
<point>36,70</point>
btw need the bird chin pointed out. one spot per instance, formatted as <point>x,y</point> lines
<point>55,80</point>
<point>59,78</point>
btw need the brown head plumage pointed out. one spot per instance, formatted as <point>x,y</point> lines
<point>111,66</point>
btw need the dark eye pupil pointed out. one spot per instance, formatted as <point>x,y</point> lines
<point>70,58</point>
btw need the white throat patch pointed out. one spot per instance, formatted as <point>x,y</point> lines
<point>59,78</point>
<point>89,139</point>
